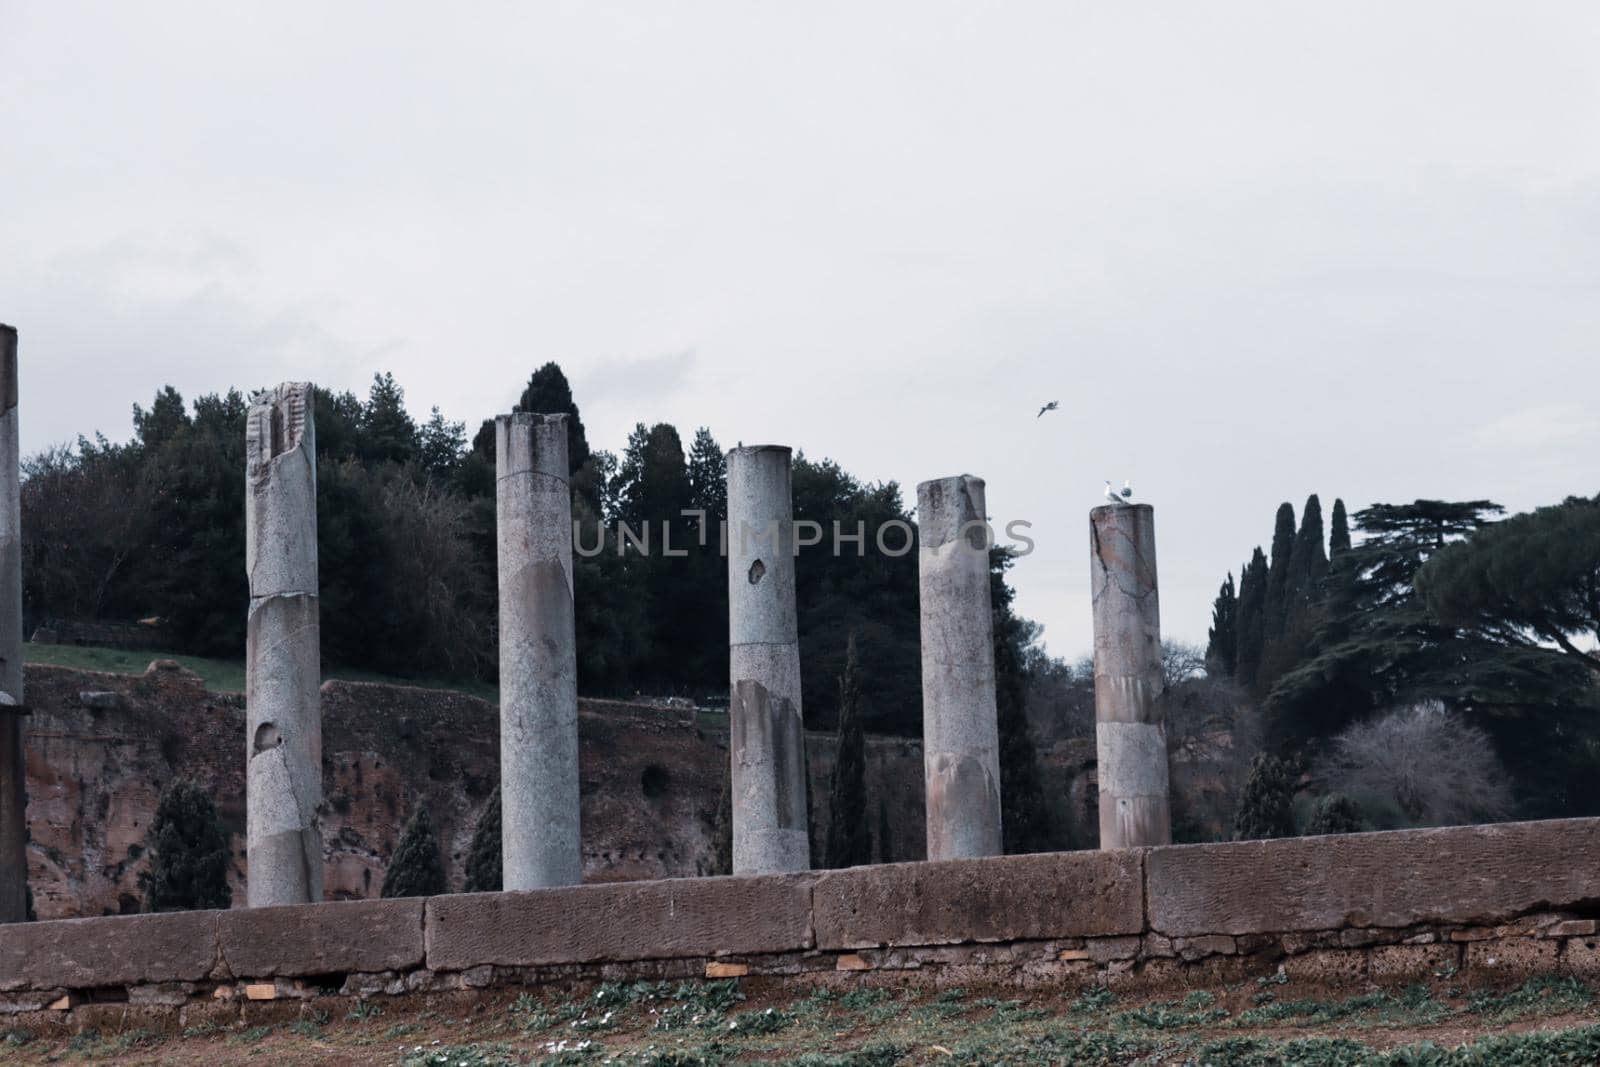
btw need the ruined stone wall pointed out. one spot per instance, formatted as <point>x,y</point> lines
<point>651,778</point>
<point>1485,902</point>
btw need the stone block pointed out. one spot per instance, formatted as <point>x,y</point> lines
<point>1411,962</point>
<point>1195,948</point>
<point>314,939</point>
<point>1581,956</point>
<point>1014,898</point>
<point>1106,949</point>
<point>110,951</point>
<point>1570,928</point>
<point>685,917</point>
<point>1468,874</point>
<point>718,969</point>
<point>1516,957</point>
<point>852,962</point>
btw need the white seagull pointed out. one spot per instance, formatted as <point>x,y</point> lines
<point>1119,498</point>
<point>1048,407</point>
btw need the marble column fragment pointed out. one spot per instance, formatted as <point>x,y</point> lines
<point>283,671</point>
<point>541,840</point>
<point>13,767</point>
<point>960,733</point>
<point>1130,718</point>
<point>766,731</point>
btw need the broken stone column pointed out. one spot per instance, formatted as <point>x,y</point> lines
<point>283,669</point>
<point>540,837</point>
<point>1130,720</point>
<point>13,768</point>
<point>766,732</point>
<point>960,732</point>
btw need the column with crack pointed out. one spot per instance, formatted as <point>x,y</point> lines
<point>1130,718</point>
<point>283,784</point>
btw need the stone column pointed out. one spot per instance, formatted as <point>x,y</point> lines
<point>283,668</point>
<point>766,732</point>
<point>540,838</point>
<point>960,732</point>
<point>1130,721</point>
<point>13,766</point>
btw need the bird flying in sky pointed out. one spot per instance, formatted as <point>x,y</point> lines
<point>1048,407</point>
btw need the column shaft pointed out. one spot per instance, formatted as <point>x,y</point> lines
<point>541,840</point>
<point>1130,720</point>
<point>13,764</point>
<point>283,667</point>
<point>766,730</point>
<point>960,734</point>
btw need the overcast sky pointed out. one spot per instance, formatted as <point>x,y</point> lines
<point>1256,250</point>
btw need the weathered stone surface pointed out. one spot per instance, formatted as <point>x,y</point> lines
<point>540,831</point>
<point>1063,894</point>
<point>102,700</point>
<point>13,765</point>
<point>315,939</point>
<point>767,742</point>
<point>1514,957</point>
<point>961,746</point>
<point>1130,723</point>
<point>1476,874</point>
<point>283,769</point>
<point>1387,963</point>
<point>121,950</point>
<point>621,921</point>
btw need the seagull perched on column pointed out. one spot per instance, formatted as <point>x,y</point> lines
<point>1048,407</point>
<point>1119,498</point>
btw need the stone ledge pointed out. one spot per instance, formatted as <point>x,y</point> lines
<point>113,951</point>
<point>1012,898</point>
<point>313,939</point>
<point>620,921</point>
<point>1475,875</point>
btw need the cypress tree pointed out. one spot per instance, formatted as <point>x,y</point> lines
<point>415,869</point>
<point>848,843</point>
<point>1023,819</point>
<point>1251,624</point>
<point>1275,613</point>
<point>1339,537</point>
<point>485,867</point>
<point>1309,564</point>
<point>188,853</point>
<point>1222,644</point>
<point>722,828</point>
<point>1265,805</point>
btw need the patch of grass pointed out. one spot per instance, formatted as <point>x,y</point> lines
<point>1092,1001</point>
<point>251,1036</point>
<point>1546,994</point>
<point>877,1055</point>
<point>1415,1006</point>
<point>461,1056</point>
<point>17,1036</point>
<point>1172,1015</point>
<point>401,1030</point>
<point>363,1010</point>
<point>761,1022</point>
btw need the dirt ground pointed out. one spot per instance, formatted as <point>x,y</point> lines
<point>1546,1020</point>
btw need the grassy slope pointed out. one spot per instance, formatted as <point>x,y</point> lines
<point>709,1024</point>
<point>221,675</point>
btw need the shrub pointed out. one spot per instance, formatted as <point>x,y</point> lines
<point>415,870</point>
<point>1335,814</point>
<point>485,868</point>
<point>1265,806</point>
<point>188,853</point>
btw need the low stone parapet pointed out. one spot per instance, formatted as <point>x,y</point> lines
<point>1490,902</point>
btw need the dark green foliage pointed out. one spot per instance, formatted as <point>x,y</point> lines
<point>1531,581</point>
<point>415,869</point>
<point>485,868</point>
<point>722,829</point>
<point>189,852</point>
<point>1339,535</point>
<point>1024,819</point>
<point>1266,805</point>
<point>1251,624</point>
<point>1222,640</point>
<point>1275,610</point>
<point>1335,814</point>
<point>388,433</point>
<point>1308,565</point>
<point>849,843</point>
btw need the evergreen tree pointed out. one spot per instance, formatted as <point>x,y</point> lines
<point>849,844</point>
<point>415,869</point>
<point>1309,562</point>
<point>1251,624</point>
<point>189,852</point>
<point>388,432</point>
<point>441,445</point>
<point>708,480</point>
<point>548,393</point>
<point>1334,814</point>
<point>722,828</point>
<point>485,868</point>
<point>1222,640</point>
<point>1275,609</point>
<point>1339,537</point>
<point>1023,818</point>
<point>1265,806</point>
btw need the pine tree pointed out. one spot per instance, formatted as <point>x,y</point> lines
<point>849,843</point>
<point>1265,805</point>
<point>189,852</point>
<point>708,480</point>
<point>1251,624</point>
<point>1275,612</point>
<point>1339,537</point>
<point>1335,814</point>
<point>485,869</point>
<point>440,445</point>
<point>1222,640</point>
<point>387,431</point>
<point>415,869</point>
